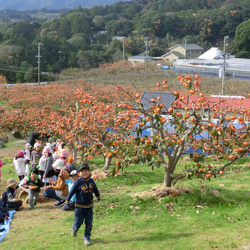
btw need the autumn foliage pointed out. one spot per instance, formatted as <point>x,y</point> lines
<point>109,121</point>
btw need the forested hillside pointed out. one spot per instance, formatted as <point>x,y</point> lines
<point>83,37</point>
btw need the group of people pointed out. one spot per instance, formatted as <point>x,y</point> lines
<point>52,170</point>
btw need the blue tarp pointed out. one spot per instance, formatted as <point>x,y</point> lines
<point>165,67</point>
<point>6,225</point>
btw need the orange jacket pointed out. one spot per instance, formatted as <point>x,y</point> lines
<point>60,183</point>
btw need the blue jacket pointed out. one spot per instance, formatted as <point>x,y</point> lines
<point>84,189</point>
<point>70,184</point>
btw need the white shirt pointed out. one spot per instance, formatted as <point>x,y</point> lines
<point>19,166</point>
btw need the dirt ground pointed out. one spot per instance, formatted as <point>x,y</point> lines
<point>160,191</point>
<point>10,152</point>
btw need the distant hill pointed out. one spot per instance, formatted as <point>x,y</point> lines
<point>22,5</point>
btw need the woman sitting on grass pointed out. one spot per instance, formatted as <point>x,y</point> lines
<point>58,189</point>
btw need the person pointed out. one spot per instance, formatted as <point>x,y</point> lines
<point>34,184</point>
<point>70,165</point>
<point>42,163</point>
<point>83,188</point>
<point>27,157</point>
<point>74,176</point>
<point>64,156</point>
<point>1,164</point>
<point>49,171</point>
<point>58,189</point>
<point>60,147</point>
<point>36,154</point>
<point>18,163</point>
<point>9,197</point>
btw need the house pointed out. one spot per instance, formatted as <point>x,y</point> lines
<point>182,51</point>
<point>150,98</point>
<point>172,56</point>
<point>135,60</point>
<point>229,104</point>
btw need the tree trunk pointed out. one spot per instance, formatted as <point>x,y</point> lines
<point>107,163</point>
<point>75,154</point>
<point>167,176</point>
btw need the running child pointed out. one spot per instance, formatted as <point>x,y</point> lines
<point>84,187</point>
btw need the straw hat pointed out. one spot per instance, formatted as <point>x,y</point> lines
<point>11,182</point>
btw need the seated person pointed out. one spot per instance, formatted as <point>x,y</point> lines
<point>74,176</point>
<point>70,165</point>
<point>34,184</point>
<point>58,189</point>
<point>9,197</point>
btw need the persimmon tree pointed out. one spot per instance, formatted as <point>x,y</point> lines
<point>93,127</point>
<point>28,108</point>
<point>190,115</point>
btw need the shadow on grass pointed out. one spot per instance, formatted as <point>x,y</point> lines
<point>150,238</point>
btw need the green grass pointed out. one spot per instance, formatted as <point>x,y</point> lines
<point>214,215</point>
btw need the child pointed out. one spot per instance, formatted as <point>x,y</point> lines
<point>70,165</point>
<point>36,154</point>
<point>49,171</point>
<point>64,156</point>
<point>60,147</point>
<point>34,184</point>
<point>18,163</point>
<point>1,164</point>
<point>74,176</point>
<point>46,157</point>
<point>58,189</point>
<point>9,197</point>
<point>42,162</point>
<point>83,188</point>
<point>27,157</point>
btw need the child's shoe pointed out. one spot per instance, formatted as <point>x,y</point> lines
<point>59,203</point>
<point>87,242</point>
<point>74,233</point>
<point>34,203</point>
<point>31,207</point>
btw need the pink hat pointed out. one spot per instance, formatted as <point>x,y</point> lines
<point>48,149</point>
<point>20,153</point>
<point>64,153</point>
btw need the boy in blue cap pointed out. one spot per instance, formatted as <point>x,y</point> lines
<point>84,187</point>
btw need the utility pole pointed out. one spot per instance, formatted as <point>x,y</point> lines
<point>123,49</point>
<point>185,48</point>
<point>224,65</point>
<point>146,43</point>
<point>38,62</point>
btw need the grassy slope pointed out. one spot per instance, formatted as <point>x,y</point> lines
<point>146,79</point>
<point>123,222</point>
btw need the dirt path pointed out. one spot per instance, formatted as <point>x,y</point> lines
<point>10,152</point>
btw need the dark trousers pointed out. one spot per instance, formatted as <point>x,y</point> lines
<point>41,173</point>
<point>51,193</point>
<point>14,205</point>
<point>84,214</point>
<point>20,177</point>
